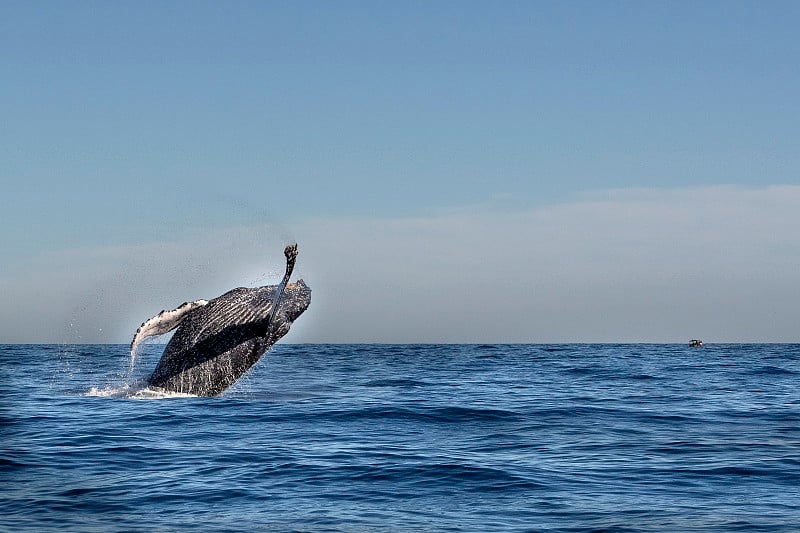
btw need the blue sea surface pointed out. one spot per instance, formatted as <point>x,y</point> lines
<point>556,438</point>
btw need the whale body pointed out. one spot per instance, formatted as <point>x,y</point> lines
<point>217,341</point>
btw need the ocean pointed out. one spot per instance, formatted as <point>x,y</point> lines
<point>551,438</point>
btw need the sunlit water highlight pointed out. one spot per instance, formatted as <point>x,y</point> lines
<point>407,438</point>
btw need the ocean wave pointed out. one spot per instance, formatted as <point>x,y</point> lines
<point>449,415</point>
<point>408,438</point>
<point>772,370</point>
<point>402,382</point>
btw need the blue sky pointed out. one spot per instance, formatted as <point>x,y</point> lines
<point>149,127</point>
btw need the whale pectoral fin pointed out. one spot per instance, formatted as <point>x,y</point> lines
<point>164,321</point>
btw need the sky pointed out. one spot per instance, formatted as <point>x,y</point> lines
<point>452,171</point>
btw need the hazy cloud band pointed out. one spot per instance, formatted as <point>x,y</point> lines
<point>645,265</point>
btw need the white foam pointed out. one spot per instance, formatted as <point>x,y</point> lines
<point>137,391</point>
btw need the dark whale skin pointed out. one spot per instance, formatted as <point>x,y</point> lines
<point>218,343</point>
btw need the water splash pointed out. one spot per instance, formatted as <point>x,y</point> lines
<point>136,391</point>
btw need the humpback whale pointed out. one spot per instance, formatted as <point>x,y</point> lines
<point>218,340</point>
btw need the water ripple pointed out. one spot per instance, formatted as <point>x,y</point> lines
<point>550,438</point>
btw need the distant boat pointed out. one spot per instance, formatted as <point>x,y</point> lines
<point>695,343</point>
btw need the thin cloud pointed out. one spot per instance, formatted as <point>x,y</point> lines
<point>645,265</point>
<point>635,265</point>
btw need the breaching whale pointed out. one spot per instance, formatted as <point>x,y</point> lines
<point>218,340</point>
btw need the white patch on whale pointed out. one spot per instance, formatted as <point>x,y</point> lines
<point>163,322</point>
